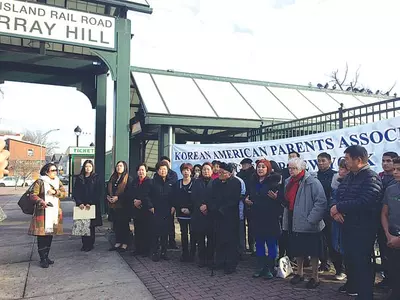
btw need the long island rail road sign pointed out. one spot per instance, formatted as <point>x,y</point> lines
<point>49,23</point>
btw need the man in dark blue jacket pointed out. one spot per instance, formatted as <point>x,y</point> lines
<point>358,207</point>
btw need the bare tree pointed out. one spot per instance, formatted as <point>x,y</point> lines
<point>7,132</point>
<point>24,169</point>
<point>39,137</point>
<point>342,82</point>
<point>335,77</point>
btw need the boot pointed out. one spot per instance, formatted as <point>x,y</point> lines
<point>268,269</point>
<point>155,257</point>
<point>43,260</point>
<point>164,255</point>
<point>50,262</point>
<point>261,267</point>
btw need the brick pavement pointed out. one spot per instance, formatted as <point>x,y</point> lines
<point>176,280</point>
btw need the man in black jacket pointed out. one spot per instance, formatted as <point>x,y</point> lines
<point>358,207</point>
<point>325,175</point>
<point>225,209</point>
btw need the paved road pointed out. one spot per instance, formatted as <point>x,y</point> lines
<point>75,275</point>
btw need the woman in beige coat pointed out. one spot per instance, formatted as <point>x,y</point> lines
<point>47,216</point>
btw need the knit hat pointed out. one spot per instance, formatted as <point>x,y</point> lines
<point>246,161</point>
<point>226,167</point>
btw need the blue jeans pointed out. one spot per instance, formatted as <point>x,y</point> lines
<point>272,245</point>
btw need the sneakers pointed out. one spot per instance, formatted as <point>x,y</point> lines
<point>268,274</point>
<point>323,269</point>
<point>340,276</point>
<point>344,289</point>
<point>383,285</point>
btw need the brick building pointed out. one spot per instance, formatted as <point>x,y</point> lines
<point>26,158</point>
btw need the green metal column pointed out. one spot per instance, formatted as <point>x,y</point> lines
<point>100,138</point>
<point>166,138</point>
<point>122,91</point>
<point>135,153</point>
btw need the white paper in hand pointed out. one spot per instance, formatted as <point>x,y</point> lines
<point>84,214</point>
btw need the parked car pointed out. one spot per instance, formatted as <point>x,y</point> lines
<point>64,179</point>
<point>11,181</point>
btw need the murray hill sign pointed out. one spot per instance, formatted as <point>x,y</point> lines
<point>43,22</point>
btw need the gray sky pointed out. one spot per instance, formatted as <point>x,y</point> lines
<point>288,41</point>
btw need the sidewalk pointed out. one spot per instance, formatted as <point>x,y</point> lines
<point>99,274</point>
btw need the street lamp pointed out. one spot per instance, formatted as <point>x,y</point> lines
<point>78,132</point>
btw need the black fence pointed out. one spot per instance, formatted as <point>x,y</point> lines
<point>329,121</point>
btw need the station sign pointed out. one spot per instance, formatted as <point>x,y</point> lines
<point>54,24</point>
<point>81,151</point>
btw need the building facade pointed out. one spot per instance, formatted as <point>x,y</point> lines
<point>26,158</point>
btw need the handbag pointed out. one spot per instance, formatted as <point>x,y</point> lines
<point>81,227</point>
<point>3,215</point>
<point>25,203</point>
<point>284,267</point>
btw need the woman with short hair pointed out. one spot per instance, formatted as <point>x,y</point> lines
<point>141,213</point>
<point>306,205</point>
<point>184,206</point>
<point>161,206</point>
<point>87,192</point>
<point>47,217</point>
<point>201,222</point>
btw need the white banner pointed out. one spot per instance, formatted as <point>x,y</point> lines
<point>377,138</point>
<point>49,23</point>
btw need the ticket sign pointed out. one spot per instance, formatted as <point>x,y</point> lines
<point>81,150</point>
<point>48,23</point>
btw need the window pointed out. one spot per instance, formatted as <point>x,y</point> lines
<point>30,152</point>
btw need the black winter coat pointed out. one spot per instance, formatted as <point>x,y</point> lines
<point>225,209</point>
<point>359,198</point>
<point>141,192</point>
<point>201,194</point>
<point>182,197</point>
<point>88,190</point>
<point>326,180</point>
<point>265,211</point>
<point>161,200</point>
<point>247,175</point>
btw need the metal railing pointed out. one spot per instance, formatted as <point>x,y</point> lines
<point>343,117</point>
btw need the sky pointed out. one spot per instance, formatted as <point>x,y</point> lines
<point>287,41</point>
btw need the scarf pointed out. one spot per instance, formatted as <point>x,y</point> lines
<point>292,188</point>
<point>141,180</point>
<point>51,213</point>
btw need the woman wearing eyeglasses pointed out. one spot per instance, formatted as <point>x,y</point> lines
<point>47,216</point>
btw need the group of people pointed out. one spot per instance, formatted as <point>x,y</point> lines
<point>312,218</point>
